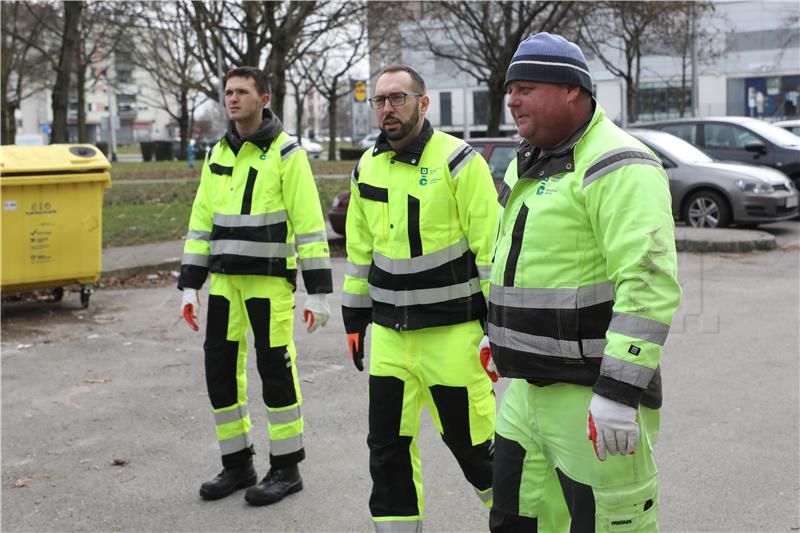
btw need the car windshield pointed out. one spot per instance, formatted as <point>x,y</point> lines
<point>677,149</point>
<point>773,133</point>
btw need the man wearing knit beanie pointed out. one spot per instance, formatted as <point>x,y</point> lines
<point>583,289</point>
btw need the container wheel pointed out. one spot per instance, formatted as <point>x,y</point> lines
<point>86,292</point>
<point>58,294</point>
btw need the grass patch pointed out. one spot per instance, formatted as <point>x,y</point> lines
<point>323,167</point>
<point>138,213</point>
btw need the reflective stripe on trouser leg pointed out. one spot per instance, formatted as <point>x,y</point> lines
<point>624,489</point>
<point>225,350</point>
<point>269,308</point>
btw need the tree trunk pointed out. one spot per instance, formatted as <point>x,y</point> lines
<point>183,122</point>
<point>72,15</point>
<point>496,97</point>
<point>298,103</point>
<point>631,91</point>
<point>278,88</point>
<point>80,88</point>
<point>9,131</point>
<point>332,126</point>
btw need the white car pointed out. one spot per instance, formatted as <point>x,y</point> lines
<point>313,149</point>
<point>792,125</point>
<point>369,140</point>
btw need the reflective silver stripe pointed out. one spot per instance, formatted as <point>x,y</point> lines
<point>356,300</point>
<point>286,446</point>
<point>231,415</point>
<point>422,263</point>
<point>284,156</point>
<point>631,373</point>
<point>198,235</point>
<point>550,63</point>
<point>594,347</point>
<point>524,342</point>
<point>356,271</point>
<point>461,164</point>
<point>425,296</point>
<point>238,221</point>
<point>485,272</point>
<point>398,526</point>
<point>485,496</point>
<point>196,259</point>
<point>315,263</point>
<point>284,417</point>
<point>551,298</point>
<point>611,167</point>
<point>235,444</point>
<point>252,249</point>
<point>305,238</point>
<point>640,328</point>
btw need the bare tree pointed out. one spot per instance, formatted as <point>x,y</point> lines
<point>21,63</point>
<point>269,35</point>
<point>165,43</point>
<point>618,34</point>
<point>335,59</point>
<point>299,78</point>
<point>480,38</point>
<point>69,43</point>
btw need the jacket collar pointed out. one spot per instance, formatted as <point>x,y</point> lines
<point>267,132</point>
<point>413,152</point>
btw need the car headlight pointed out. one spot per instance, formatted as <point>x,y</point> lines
<point>756,187</point>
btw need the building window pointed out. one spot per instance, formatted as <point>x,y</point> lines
<point>657,103</point>
<point>480,107</point>
<point>445,109</point>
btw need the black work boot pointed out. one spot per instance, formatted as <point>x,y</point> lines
<point>229,481</point>
<point>278,483</point>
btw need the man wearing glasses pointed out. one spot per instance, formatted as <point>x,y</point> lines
<point>419,229</point>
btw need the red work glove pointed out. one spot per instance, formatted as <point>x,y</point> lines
<point>485,353</point>
<point>355,344</point>
<point>190,304</point>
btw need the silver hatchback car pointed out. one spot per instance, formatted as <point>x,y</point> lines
<point>710,193</point>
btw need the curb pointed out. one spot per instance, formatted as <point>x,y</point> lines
<point>703,240</point>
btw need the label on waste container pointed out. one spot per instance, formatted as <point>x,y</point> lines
<point>40,241</point>
<point>10,205</point>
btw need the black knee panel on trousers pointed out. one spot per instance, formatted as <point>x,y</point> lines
<point>509,456</point>
<point>258,313</point>
<point>500,522</point>
<point>277,382</point>
<point>220,355</point>
<point>393,490</point>
<point>580,502</point>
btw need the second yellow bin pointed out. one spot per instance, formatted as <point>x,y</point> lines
<point>52,218</point>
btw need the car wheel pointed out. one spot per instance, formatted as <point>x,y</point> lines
<point>706,209</point>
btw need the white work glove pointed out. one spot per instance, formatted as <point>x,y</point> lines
<point>316,311</point>
<point>611,426</point>
<point>485,354</point>
<point>190,304</point>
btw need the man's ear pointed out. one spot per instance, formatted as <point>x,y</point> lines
<point>573,93</point>
<point>425,102</point>
<point>264,99</point>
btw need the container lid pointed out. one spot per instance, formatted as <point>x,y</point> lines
<point>16,160</point>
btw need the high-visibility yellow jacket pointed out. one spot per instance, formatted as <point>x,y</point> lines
<point>257,203</point>
<point>584,281</point>
<point>419,233</point>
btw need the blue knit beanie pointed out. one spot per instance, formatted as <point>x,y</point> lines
<point>549,59</point>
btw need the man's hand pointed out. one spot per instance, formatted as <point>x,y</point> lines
<point>190,304</point>
<point>485,354</point>
<point>612,426</point>
<point>316,311</point>
<point>355,344</point>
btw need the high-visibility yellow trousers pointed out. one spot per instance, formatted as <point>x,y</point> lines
<point>264,305</point>
<point>438,368</point>
<point>547,477</point>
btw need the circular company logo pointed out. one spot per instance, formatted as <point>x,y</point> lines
<point>423,181</point>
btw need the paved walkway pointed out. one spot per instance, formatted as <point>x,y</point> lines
<point>686,239</point>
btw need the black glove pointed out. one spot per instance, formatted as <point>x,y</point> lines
<point>356,320</point>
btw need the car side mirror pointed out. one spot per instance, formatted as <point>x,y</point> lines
<point>756,147</point>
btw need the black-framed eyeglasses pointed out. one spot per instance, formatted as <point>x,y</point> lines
<point>396,99</point>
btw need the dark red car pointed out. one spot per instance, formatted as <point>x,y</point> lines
<point>497,151</point>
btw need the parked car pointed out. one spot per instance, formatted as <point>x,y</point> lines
<point>498,152</point>
<point>743,139</point>
<point>792,125</point>
<point>369,140</point>
<point>710,193</point>
<point>312,148</point>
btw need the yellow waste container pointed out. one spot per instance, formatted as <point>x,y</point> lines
<point>52,221</point>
